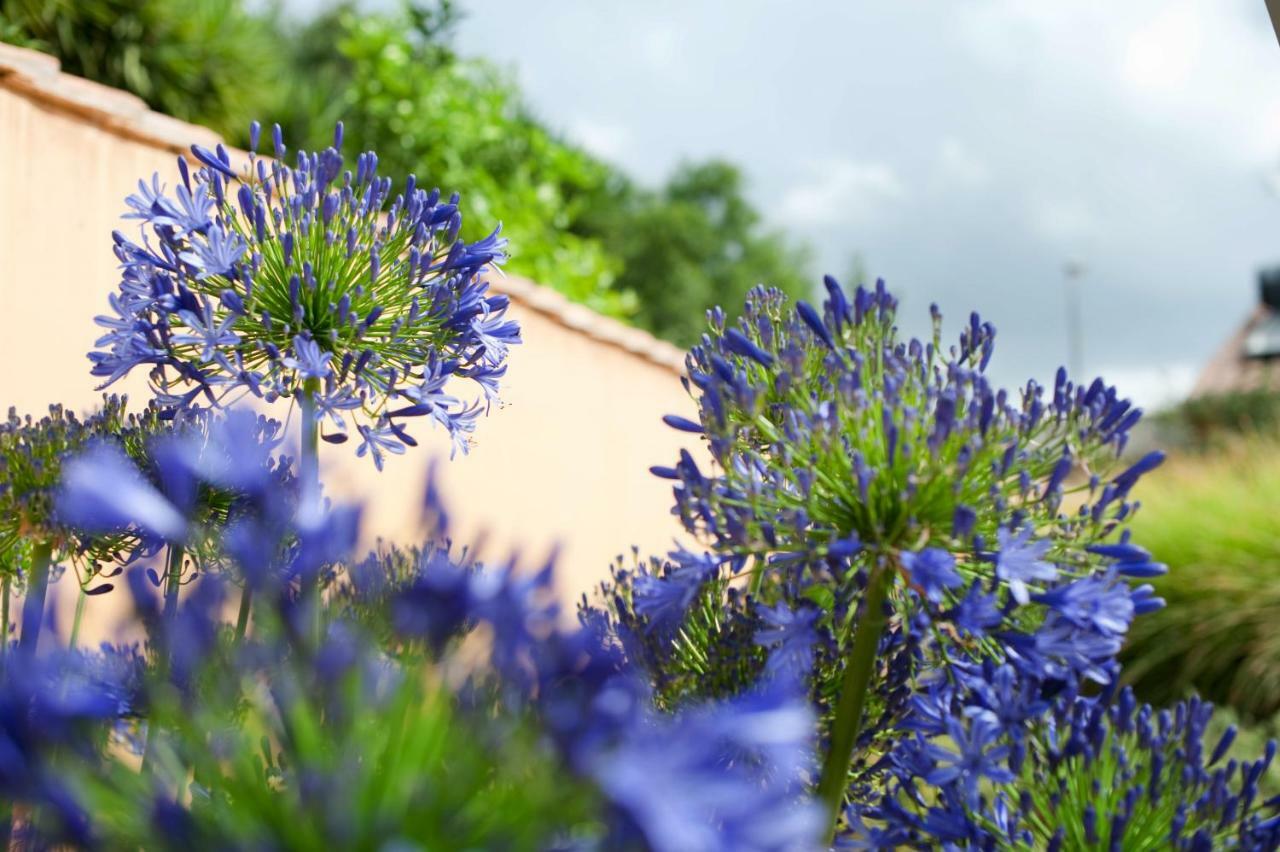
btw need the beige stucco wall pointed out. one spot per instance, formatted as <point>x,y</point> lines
<point>563,462</point>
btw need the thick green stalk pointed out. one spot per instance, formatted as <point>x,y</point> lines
<point>242,619</point>
<point>37,591</point>
<point>853,697</point>
<point>4,617</point>
<point>81,597</point>
<point>309,470</point>
<point>310,456</point>
<point>173,581</point>
<point>757,579</point>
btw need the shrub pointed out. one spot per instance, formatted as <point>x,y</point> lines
<point>1210,422</point>
<point>209,61</point>
<point>1213,520</point>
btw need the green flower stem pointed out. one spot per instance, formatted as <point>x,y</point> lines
<point>853,696</point>
<point>757,578</point>
<point>81,597</point>
<point>37,591</point>
<point>173,581</point>
<point>5,589</point>
<point>242,619</point>
<point>309,469</point>
<point>310,455</point>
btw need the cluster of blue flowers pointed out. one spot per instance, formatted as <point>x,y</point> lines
<point>740,765</point>
<point>36,542</point>
<point>1020,771</point>
<point>898,626</point>
<point>308,282</point>
<point>943,563</point>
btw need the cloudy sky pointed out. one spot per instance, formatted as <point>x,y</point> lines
<point>964,151</point>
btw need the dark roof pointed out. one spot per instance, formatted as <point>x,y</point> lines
<point>1232,369</point>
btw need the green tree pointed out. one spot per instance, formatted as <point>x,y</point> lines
<point>207,61</point>
<point>697,243</point>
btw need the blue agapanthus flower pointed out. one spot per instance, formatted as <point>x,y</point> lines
<point>932,570</point>
<point>308,282</point>
<point>885,485</point>
<point>1021,561</point>
<point>1077,772</point>
<point>790,636</point>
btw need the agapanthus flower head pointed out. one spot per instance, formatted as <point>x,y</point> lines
<point>36,540</point>
<point>870,483</point>
<point>32,452</point>
<point>211,482</point>
<point>279,280</point>
<point>828,421</point>
<point>1076,773</point>
<point>841,450</point>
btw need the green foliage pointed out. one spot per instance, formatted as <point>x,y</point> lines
<point>1213,520</point>
<point>209,61</point>
<point>456,123</point>
<point>1205,422</point>
<point>697,242</point>
<point>375,743</point>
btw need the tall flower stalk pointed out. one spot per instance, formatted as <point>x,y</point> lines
<point>37,591</point>
<point>855,688</point>
<point>309,466</point>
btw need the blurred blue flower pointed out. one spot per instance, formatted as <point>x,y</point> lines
<point>789,635</point>
<point>933,570</point>
<point>1021,560</point>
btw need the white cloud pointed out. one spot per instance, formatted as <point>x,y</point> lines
<point>1152,387</point>
<point>1162,54</point>
<point>841,191</point>
<point>960,165</point>
<point>1063,220</point>
<point>1197,68</point>
<point>603,138</point>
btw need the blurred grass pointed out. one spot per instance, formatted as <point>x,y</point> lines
<point>1215,520</point>
<point>1250,744</point>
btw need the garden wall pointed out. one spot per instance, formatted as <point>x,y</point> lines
<point>563,462</point>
